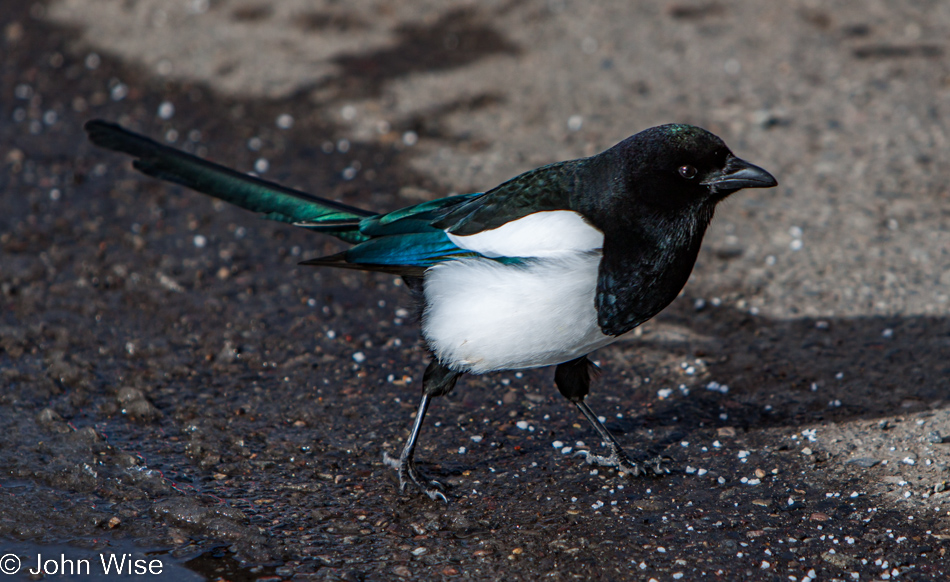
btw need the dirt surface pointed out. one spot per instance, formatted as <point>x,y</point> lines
<point>175,386</point>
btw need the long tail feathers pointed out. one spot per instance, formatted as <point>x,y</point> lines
<point>276,202</point>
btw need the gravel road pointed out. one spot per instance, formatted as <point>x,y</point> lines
<point>174,386</point>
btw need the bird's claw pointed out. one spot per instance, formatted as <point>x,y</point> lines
<point>406,469</point>
<point>623,464</point>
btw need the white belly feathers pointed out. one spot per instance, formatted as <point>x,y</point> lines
<point>482,315</point>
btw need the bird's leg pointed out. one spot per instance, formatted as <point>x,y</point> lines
<point>573,381</point>
<point>437,381</point>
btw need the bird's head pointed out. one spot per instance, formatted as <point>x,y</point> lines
<point>678,165</point>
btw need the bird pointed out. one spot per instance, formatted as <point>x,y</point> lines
<point>540,270</point>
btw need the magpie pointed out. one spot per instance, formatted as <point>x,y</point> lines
<point>541,270</point>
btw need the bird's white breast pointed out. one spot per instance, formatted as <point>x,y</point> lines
<point>483,315</point>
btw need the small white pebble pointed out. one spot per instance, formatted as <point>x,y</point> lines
<point>701,472</point>
<point>557,444</point>
<point>261,165</point>
<point>285,121</point>
<point>664,393</point>
<point>119,92</point>
<point>477,438</point>
<point>462,450</point>
<point>200,241</point>
<point>522,424</point>
<point>166,110</point>
<point>359,357</point>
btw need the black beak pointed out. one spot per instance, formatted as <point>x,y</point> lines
<point>739,174</point>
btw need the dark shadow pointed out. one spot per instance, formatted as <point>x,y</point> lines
<point>806,370</point>
<point>456,39</point>
<point>891,51</point>
<point>262,411</point>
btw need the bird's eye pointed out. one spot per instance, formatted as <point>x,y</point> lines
<point>688,172</point>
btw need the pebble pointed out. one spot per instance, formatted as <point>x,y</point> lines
<point>285,121</point>
<point>166,110</point>
<point>403,571</point>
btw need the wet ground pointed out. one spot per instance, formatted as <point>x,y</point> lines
<point>176,387</point>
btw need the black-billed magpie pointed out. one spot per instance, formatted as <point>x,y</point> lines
<point>539,271</point>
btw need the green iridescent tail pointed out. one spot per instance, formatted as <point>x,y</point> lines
<point>274,201</point>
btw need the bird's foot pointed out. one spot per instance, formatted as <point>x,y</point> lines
<point>624,465</point>
<point>406,469</point>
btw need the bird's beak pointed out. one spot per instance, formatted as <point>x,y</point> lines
<point>740,174</point>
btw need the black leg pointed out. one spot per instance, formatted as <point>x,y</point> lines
<point>573,381</point>
<point>438,380</point>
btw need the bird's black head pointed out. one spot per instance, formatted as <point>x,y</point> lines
<point>681,166</point>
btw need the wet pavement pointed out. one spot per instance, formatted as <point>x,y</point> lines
<point>174,385</point>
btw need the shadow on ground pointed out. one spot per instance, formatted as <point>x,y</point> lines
<point>172,378</point>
